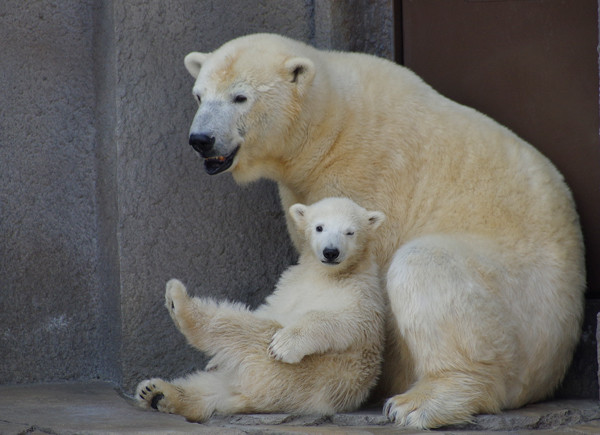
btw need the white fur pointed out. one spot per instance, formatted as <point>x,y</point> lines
<point>481,251</point>
<point>314,346</point>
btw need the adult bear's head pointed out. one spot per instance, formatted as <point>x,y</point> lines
<point>250,93</point>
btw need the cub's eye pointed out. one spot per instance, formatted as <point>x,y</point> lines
<point>349,233</point>
<point>240,99</point>
<point>319,229</point>
<point>199,99</point>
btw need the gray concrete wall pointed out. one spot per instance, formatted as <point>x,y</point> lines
<point>175,221</point>
<point>57,319</point>
<point>101,198</point>
<point>355,25</point>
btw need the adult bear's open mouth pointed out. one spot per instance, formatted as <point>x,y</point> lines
<point>217,164</point>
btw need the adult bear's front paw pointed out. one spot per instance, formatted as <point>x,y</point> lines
<point>286,346</point>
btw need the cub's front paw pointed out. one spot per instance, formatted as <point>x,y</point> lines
<point>175,297</point>
<point>152,393</point>
<point>286,346</point>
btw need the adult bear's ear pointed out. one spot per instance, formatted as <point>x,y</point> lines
<point>193,62</point>
<point>300,71</point>
<point>298,213</point>
<point>375,218</point>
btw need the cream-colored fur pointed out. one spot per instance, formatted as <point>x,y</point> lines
<point>316,344</point>
<point>481,251</point>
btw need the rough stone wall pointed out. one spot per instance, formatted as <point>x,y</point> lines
<point>174,220</point>
<point>102,200</point>
<point>54,320</point>
<point>355,25</point>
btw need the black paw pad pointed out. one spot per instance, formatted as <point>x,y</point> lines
<point>156,399</point>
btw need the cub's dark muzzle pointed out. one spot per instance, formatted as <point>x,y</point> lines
<point>331,255</point>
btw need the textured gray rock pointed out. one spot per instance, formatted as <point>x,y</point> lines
<point>97,408</point>
<point>581,381</point>
<point>547,415</point>
<point>360,25</point>
<point>57,320</point>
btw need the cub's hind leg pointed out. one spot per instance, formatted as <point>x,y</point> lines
<point>172,398</point>
<point>217,327</point>
<point>196,397</point>
<point>228,389</point>
<point>190,315</point>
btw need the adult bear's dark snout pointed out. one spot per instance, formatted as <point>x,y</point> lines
<point>203,143</point>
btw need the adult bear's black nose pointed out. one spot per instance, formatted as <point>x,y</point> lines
<point>331,254</point>
<point>202,142</point>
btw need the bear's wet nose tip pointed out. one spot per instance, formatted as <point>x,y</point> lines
<point>331,254</point>
<point>202,142</point>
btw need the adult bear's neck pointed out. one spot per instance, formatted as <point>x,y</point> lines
<point>314,135</point>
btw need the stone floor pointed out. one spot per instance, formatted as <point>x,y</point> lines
<point>98,408</point>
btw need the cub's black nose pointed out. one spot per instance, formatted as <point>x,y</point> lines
<point>331,254</point>
<point>201,142</point>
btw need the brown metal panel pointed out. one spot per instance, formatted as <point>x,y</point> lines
<point>533,66</point>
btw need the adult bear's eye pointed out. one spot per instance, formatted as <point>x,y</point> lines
<point>199,99</point>
<point>319,228</point>
<point>240,99</point>
<point>349,233</point>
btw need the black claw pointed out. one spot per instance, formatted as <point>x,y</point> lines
<point>156,399</point>
<point>148,389</point>
<point>142,397</point>
<point>142,393</point>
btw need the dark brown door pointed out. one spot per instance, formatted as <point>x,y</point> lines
<point>530,64</point>
<point>533,66</point>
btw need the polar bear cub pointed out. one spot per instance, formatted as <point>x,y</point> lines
<point>315,345</point>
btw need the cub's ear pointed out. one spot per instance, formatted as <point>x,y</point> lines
<point>375,218</point>
<point>301,71</point>
<point>298,213</point>
<point>193,62</point>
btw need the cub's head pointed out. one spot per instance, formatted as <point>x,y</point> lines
<point>337,230</point>
<point>249,92</point>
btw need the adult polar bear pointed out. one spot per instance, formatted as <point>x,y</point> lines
<point>482,253</point>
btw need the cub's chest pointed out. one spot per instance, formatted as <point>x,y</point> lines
<point>293,300</point>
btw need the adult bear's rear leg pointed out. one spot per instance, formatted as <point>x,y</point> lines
<point>445,295</point>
